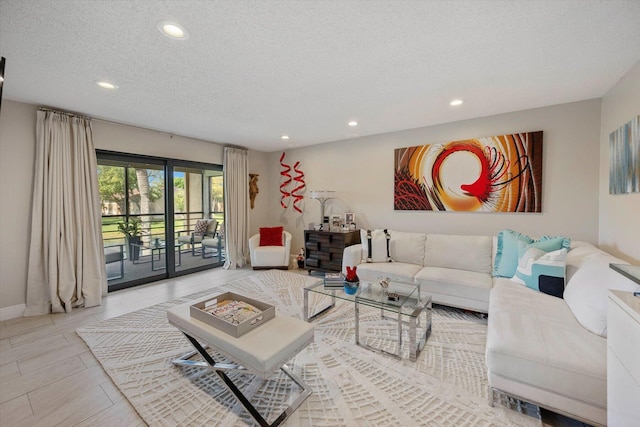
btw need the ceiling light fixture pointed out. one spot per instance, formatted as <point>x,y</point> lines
<point>285,137</point>
<point>353,123</point>
<point>456,102</point>
<point>106,85</point>
<point>173,30</point>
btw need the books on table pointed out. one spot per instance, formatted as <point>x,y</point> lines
<point>333,280</point>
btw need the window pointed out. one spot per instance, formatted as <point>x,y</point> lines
<point>150,208</point>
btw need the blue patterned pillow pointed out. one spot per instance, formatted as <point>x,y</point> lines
<point>509,242</point>
<point>540,270</point>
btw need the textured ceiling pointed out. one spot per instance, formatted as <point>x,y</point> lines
<point>254,70</point>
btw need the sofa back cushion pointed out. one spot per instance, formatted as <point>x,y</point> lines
<point>471,253</point>
<point>407,247</point>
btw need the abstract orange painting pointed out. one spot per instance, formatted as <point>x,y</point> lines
<point>490,174</point>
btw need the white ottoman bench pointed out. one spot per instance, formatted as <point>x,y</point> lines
<point>262,351</point>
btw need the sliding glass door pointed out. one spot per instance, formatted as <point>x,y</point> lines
<point>198,196</point>
<point>153,211</point>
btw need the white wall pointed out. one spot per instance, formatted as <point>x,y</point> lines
<point>361,172</point>
<point>619,214</point>
<point>129,139</point>
<point>17,156</point>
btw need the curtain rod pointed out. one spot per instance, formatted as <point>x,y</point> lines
<point>239,147</point>
<point>82,116</point>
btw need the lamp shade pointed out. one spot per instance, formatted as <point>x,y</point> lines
<point>322,194</point>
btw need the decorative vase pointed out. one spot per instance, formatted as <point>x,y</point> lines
<point>350,288</point>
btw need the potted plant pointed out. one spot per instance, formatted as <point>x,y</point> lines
<point>132,230</point>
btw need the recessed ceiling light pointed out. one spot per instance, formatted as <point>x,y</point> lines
<point>285,137</point>
<point>456,102</point>
<point>173,30</point>
<point>106,85</point>
<point>353,123</point>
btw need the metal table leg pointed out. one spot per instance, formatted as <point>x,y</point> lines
<point>306,316</point>
<point>220,370</point>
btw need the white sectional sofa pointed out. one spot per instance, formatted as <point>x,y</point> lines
<point>542,349</point>
<point>455,270</point>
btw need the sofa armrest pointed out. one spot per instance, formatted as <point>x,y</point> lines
<point>351,256</point>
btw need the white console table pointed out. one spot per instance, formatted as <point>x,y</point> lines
<point>623,359</point>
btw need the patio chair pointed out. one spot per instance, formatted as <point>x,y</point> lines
<point>204,228</point>
<point>114,253</point>
<point>213,246</point>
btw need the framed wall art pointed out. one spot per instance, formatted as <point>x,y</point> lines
<point>624,158</point>
<point>491,174</point>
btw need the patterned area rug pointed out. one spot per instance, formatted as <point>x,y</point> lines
<point>446,386</point>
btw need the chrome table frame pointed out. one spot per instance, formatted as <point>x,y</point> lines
<point>422,305</point>
<point>221,368</point>
<point>415,345</point>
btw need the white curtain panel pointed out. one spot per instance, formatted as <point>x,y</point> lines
<point>236,206</point>
<point>66,256</point>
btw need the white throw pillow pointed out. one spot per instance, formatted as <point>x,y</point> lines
<point>586,292</point>
<point>379,245</point>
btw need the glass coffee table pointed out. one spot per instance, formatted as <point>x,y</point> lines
<point>406,310</point>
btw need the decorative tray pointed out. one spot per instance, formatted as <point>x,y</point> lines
<point>232,313</point>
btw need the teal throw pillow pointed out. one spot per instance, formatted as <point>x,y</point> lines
<point>507,250</point>
<point>540,270</point>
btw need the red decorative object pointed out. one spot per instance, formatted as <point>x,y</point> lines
<point>295,193</point>
<point>351,274</point>
<point>271,236</point>
<point>285,179</point>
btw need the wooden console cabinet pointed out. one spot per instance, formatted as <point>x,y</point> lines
<point>323,249</point>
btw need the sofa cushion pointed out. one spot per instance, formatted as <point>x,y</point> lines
<point>533,339</point>
<point>471,253</point>
<point>541,271</point>
<point>446,281</point>
<point>586,292</point>
<point>407,247</point>
<point>506,259</point>
<point>378,241</point>
<point>400,271</point>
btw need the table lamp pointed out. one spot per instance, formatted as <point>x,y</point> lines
<point>322,196</point>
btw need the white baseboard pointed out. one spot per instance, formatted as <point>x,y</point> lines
<point>12,312</point>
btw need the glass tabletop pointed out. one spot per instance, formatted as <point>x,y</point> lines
<point>156,245</point>
<point>374,295</point>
